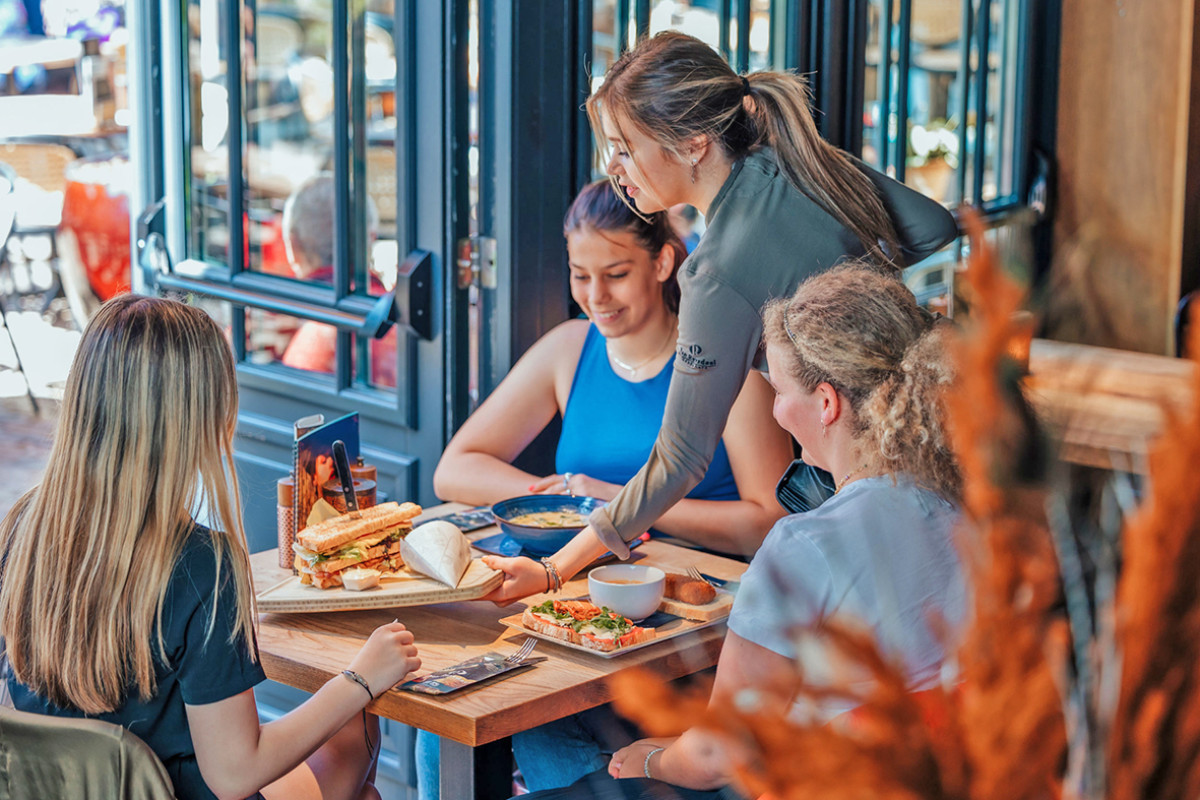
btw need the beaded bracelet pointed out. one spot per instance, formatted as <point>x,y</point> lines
<point>646,765</point>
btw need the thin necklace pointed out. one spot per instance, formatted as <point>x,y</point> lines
<point>633,369</point>
<point>847,476</point>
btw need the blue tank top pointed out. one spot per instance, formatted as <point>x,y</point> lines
<point>610,425</point>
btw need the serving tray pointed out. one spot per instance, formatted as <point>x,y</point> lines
<point>408,589</point>
<point>666,627</point>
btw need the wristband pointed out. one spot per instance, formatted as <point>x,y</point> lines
<point>554,579</point>
<point>360,680</point>
<point>646,765</point>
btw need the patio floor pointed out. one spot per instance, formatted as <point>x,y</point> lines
<point>47,345</point>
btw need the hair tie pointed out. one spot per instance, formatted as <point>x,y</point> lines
<point>745,86</point>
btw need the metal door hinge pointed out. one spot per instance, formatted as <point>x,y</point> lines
<point>475,257</point>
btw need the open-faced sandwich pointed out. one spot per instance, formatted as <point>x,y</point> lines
<point>583,623</point>
<point>369,541</point>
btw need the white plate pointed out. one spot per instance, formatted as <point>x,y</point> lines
<point>666,627</point>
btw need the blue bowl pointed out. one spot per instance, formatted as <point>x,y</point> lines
<point>542,541</point>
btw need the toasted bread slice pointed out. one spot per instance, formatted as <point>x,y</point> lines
<point>337,531</point>
<point>593,639</point>
<point>535,623</point>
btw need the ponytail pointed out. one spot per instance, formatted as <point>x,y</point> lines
<point>906,412</point>
<point>675,87</point>
<point>779,110</point>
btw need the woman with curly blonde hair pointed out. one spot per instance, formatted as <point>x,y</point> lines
<point>116,604</point>
<point>859,372</point>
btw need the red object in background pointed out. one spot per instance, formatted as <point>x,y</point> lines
<point>96,211</point>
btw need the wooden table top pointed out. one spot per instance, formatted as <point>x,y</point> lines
<point>305,650</point>
<point>1106,406</point>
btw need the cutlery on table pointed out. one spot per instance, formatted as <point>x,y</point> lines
<point>522,653</point>
<point>696,575</point>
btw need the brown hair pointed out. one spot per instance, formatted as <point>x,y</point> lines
<point>145,434</point>
<point>600,207</point>
<point>675,87</point>
<point>862,332</point>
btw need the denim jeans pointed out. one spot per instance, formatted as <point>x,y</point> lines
<point>552,756</point>
<point>599,785</point>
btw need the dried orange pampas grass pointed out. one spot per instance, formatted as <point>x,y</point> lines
<point>1154,744</point>
<point>999,734</point>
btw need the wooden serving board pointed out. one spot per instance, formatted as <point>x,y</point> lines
<point>290,596</point>
<point>718,608</point>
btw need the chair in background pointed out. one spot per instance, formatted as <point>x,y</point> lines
<point>31,258</point>
<point>46,756</point>
<point>381,186</point>
<point>8,211</point>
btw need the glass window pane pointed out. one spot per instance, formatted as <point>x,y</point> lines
<point>300,344</point>
<point>699,19</point>
<point>876,95</point>
<point>934,97</point>
<point>1000,175</point>
<point>377,365</point>
<point>288,96</point>
<point>208,127</point>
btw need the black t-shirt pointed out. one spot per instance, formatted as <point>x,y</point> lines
<point>199,672</point>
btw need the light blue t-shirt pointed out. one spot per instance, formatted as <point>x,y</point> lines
<point>878,553</point>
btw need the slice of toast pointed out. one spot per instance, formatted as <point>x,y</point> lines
<point>337,531</point>
<point>567,633</point>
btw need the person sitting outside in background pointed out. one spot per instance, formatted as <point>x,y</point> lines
<point>308,241</point>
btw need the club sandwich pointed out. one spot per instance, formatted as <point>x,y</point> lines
<point>370,540</point>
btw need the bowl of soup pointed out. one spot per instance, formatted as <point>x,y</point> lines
<point>632,590</point>
<point>543,523</point>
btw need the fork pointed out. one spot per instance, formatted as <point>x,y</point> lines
<point>695,575</point>
<point>522,652</point>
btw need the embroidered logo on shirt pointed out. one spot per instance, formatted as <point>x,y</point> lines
<point>690,358</point>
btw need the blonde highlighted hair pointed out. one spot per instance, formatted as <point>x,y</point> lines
<point>862,332</point>
<point>675,87</point>
<point>145,434</point>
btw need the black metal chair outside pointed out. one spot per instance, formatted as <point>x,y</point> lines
<point>8,211</point>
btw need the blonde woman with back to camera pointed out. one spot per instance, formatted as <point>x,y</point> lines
<point>678,125</point>
<point>152,625</point>
<point>859,373</point>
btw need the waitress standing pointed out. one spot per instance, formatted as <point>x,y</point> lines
<point>780,204</point>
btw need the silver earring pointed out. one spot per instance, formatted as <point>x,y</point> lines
<point>824,429</point>
<point>693,170</point>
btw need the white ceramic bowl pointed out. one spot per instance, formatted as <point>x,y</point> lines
<point>632,590</point>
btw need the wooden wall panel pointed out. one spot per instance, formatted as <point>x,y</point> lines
<point>1123,145</point>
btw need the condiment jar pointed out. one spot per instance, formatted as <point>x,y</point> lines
<point>285,520</point>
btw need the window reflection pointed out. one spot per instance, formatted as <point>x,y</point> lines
<point>942,132</point>
<point>288,155</point>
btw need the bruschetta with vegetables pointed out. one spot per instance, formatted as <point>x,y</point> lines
<point>583,623</point>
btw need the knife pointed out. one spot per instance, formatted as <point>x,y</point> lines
<point>342,464</point>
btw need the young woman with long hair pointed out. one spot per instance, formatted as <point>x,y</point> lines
<point>780,204</point>
<point>860,374</point>
<point>608,378</point>
<point>116,604</point>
